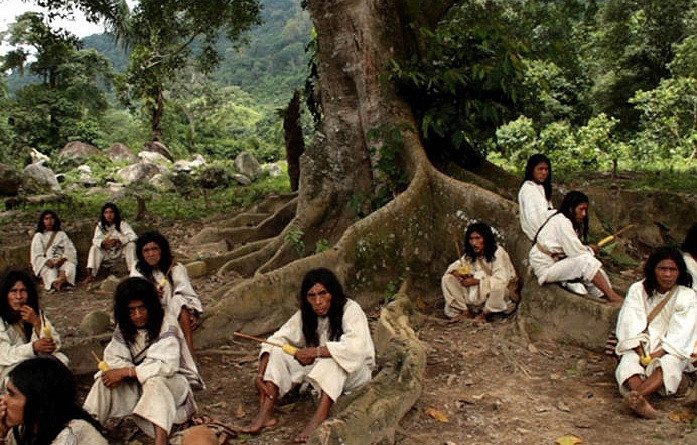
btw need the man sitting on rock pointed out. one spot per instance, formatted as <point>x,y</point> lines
<point>656,331</point>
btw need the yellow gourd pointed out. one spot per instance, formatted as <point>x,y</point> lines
<point>646,360</point>
<point>606,240</point>
<point>289,349</point>
<point>103,366</point>
<point>47,331</point>
<point>464,270</point>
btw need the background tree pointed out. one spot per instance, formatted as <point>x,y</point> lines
<point>162,34</point>
<point>71,97</point>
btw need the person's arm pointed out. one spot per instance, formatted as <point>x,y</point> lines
<point>12,349</point>
<point>355,346</point>
<point>183,293</point>
<point>128,235</point>
<point>98,237</point>
<point>38,259</point>
<point>70,254</point>
<point>631,320</point>
<point>163,355</point>
<point>568,239</point>
<point>681,335</point>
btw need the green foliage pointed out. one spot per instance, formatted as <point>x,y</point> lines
<point>387,144</point>
<point>295,238</point>
<point>468,76</point>
<point>322,245</point>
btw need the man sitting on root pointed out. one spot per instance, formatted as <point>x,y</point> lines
<point>335,354</point>
<point>656,331</point>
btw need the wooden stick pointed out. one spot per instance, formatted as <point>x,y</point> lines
<point>260,340</point>
<point>609,239</point>
<point>457,247</point>
<point>96,357</point>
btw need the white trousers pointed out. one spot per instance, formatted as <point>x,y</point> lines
<point>324,374</point>
<point>583,267</point>
<point>672,367</point>
<point>97,256</point>
<point>159,401</point>
<point>458,297</point>
<point>50,274</point>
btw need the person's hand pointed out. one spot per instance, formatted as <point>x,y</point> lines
<point>4,427</point>
<point>28,314</point>
<point>113,377</point>
<point>59,262</point>
<point>50,264</point>
<point>468,281</point>
<point>306,356</point>
<point>594,248</point>
<point>44,345</point>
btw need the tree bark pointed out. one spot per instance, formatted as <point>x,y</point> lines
<point>295,143</point>
<point>157,112</point>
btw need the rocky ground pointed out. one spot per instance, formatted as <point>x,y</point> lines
<point>484,384</point>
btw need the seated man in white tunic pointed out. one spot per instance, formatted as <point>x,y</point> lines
<point>40,407</point>
<point>483,281</point>
<point>535,195</point>
<point>151,372</point>
<point>335,354</point>
<point>53,255</point>
<point>559,256</point>
<point>113,239</point>
<point>656,331</point>
<point>24,329</point>
<point>156,264</point>
<point>689,253</point>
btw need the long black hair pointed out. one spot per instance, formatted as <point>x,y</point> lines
<point>489,241</point>
<point>49,388</point>
<point>56,224</point>
<point>166,257</point>
<point>534,161</point>
<point>336,309</point>
<point>9,279</point>
<point>134,289</point>
<point>689,245</point>
<point>117,216</point>
<point>658,255</point>
<point>568,208</point>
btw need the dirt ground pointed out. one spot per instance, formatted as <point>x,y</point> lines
<point>483,384</point>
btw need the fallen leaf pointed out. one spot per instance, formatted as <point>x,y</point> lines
<point>682,416</point>
<point>569,439</point>
<point>437,414</point>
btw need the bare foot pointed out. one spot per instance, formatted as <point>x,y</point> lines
<point>259,424</point>
<point>638,403</point>
<point>464,315</point>
<point>480,318</point>
<point>88,280</point>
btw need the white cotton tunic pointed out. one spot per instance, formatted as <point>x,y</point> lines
<point>559,237</point>
<point>674,330</point>
<point>127,250</point>
<point>350,365</point>
<point>491,294</point>
<point>14,347</point>
<point>176,294</point>
<point>60,247</point>
<point>534,207</point>
<point>166,374</point>
<point>78,432</point>
<point>691,268</point>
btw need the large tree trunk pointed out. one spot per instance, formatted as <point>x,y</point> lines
<point>409,239</point>
<point>293,136</point>
<point>157,111</point>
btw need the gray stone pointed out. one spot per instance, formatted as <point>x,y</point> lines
<point>84,168</point>
<point>242,179</point>
<point>196,269</point>
<point>38,179</point>
<point>162,183</point>
<point>188,166</point>
<point>37,157</point>
<point>154,157</point>
<point>108,286</point>
<point>248,165</point>
<point>121,152</point>
<point>138,172</point>
<point>77,150</point>
<point>212,177</point>
<point>10,180</point>
<point>96,322</point>
<point>158,147</point>
<point>273,169</point>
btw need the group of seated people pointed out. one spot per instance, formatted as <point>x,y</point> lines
<point>657,324</point>
<point>148,369</point>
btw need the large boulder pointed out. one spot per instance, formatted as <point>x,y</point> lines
<point>248,165</point>
<point>189,166</point>
<point>138,172</point>
<point>273,169</point>
<point>78,151</point>
<point>241,179</point>
<point>158,147</point>
<point>121,152</point>
<point>154,157</point>
<point>162,182</point>
<point>37,179</point>
<point>10,180</point>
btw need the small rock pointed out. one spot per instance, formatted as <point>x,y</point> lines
<point>109,284</point>
<point>96,322</point>
<point>196,269</point>
<point>532,348</point>
<point>242,179</point>
<point>561,406</point>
